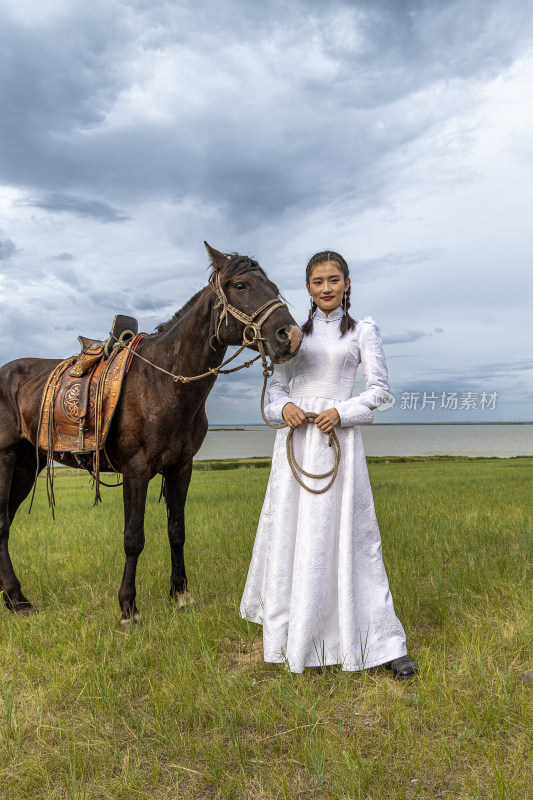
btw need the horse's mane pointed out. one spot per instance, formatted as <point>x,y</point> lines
<point>164,326</point>
<point>236,265</point>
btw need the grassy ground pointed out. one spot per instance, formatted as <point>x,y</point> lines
<point>184,707</point>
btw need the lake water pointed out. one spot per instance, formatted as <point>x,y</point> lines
<point>503,441</point>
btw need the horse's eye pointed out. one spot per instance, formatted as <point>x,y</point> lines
<point>240,286</point>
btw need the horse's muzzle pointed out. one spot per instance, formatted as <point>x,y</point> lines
<point>294,336</point>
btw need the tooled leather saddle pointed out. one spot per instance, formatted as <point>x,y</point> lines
<point>82,392</point>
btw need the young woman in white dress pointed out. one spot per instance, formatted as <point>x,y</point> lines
<point>317,583</point>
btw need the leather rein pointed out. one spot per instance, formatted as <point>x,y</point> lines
<point>252,335</point>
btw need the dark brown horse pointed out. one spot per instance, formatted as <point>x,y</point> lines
<point>159,424</point>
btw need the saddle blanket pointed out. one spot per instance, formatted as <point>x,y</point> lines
<point>79,401</point>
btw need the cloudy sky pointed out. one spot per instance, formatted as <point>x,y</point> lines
<point>398,132</point>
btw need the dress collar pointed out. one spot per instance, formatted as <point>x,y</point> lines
<point>333,315</point>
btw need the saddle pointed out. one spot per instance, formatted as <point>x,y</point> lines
<point>82,393</point>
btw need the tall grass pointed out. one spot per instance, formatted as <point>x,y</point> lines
<point>185,707</point>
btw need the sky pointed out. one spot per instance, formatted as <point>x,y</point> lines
<point>396,132</point>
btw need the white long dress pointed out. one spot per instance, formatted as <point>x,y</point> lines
<point>317,582</point>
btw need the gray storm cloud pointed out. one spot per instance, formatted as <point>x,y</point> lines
<point>403,338</point>
<point>140,101</point>
<point>393,132</point>
<point>7,249</point>
<point>60,203</point>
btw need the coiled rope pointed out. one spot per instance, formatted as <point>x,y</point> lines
<point>297,470</point>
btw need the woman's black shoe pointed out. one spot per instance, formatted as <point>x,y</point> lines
<point>402,668</point>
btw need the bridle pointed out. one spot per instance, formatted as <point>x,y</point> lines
<point>252,325</point>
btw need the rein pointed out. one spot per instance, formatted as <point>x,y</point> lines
<point>249,323</point>
<point>252,335</point>
<point>252,329</point>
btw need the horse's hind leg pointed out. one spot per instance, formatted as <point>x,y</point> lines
<point>176,485</point>
<point>15,482</point>
<point>23,475</point>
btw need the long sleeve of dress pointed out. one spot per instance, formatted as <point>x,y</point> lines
<point>352,411</point>
<point>278,392</point>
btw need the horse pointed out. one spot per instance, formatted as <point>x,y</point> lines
<point>159,424</point>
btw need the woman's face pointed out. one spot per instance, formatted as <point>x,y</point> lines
<point>327,286</point>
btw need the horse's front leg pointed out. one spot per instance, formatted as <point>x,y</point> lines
<point>177,482</point>
<point>134,493</point>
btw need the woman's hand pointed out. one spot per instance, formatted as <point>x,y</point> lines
<point>327,420</point>
<point>293,416</point>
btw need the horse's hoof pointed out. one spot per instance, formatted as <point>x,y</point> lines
<point>184,600</point>
<point>22,609</point>
<point>128,623</point>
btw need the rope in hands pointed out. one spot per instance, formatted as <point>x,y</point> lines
<point>297,470</point>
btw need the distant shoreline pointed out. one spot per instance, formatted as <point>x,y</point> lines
<point>244,425</point>
<point>261,462</point>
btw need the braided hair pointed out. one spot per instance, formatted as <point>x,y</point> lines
<point>347,322</point>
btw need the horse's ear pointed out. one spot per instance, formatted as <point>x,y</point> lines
<point>218,259</point>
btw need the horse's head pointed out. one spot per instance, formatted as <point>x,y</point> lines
<point>248,306</point>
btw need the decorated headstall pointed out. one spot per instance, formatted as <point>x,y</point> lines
<point>252,323</point>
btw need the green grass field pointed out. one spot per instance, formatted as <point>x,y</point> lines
<point>184,706</point>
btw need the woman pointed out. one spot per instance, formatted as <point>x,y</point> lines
<point>316,581</point>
